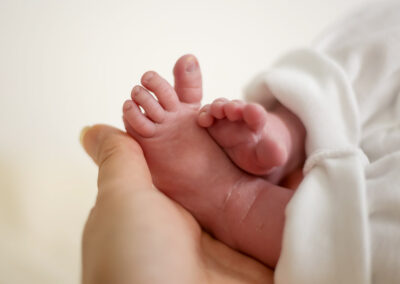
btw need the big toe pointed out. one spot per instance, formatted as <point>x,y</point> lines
<point>188,83</point>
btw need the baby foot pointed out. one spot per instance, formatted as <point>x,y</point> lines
<point>184,161</point>
<point>243,211</point>
<point>257,141</point>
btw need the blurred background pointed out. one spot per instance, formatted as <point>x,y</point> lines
<point>67,64</point>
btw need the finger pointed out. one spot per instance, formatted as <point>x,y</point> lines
<point>122,165</point>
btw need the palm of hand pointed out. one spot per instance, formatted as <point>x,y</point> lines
<point>135,234</point>
<point>151,239</point>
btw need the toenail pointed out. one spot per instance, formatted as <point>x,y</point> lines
<point>202,115</point>
<point>135,90</point>
<point>204,119</point>
<point>127,105</point>
<point>148,76</point>
<point>191,64</point>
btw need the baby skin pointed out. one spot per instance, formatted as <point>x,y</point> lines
<point>223,162</point>
<point>268,144</point>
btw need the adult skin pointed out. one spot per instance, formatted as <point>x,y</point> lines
<point>135,234</point>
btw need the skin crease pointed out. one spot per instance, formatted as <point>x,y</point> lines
<point>135,234</point>
<point>293,180</point>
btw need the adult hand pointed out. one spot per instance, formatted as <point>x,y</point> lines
<point>135,234</point>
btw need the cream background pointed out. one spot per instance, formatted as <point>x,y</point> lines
<point>67,64</point>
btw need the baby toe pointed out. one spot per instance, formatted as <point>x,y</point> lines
<point>188,82</point>
<point>149,104</point>
<point>217,108</point>
<point>205,119</point>
<point>138,122</point>
<point>234,110</point>
<point>255,116</point>
<point>162,89</point>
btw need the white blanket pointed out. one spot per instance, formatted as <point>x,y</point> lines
<point>343,223</point>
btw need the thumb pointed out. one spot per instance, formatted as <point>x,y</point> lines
<point>120,159</point>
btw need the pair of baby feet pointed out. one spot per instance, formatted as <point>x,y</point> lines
<point>221,162</point>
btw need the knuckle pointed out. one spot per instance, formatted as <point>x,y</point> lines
<point>114,146</point>
<point>107,149</point>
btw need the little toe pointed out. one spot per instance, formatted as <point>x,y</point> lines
<point>234,110</point>
<point>217,108</point>
<point>162,89</point>
<point>149,104</point>
<point>188,82</point>
<point>205,119</point>
<point>255,116</point>
<point>138,122</point>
